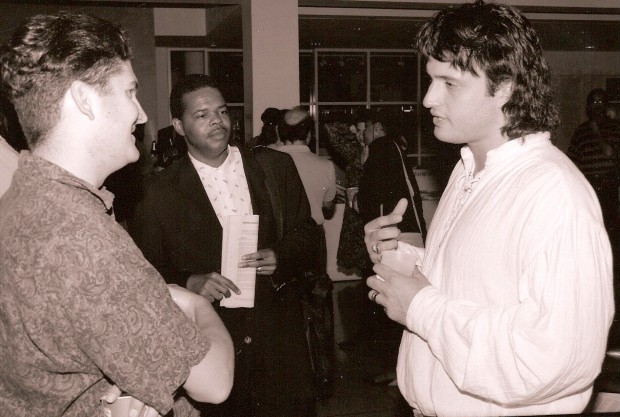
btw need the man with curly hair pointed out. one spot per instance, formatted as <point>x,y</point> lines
<point>510,309</point>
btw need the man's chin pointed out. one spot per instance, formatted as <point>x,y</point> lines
<point>133,153</point>
<point>445,137</point>
<point>131,157</point>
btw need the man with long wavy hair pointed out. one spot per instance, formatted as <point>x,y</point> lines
<point>510,310</point>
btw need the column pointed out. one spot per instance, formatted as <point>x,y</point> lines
<point>270,58</point>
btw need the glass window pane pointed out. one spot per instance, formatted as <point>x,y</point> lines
<point>306,76</point>
<point>227,69</point>
<point>393,77</point>
<point>342,77</point>
<point>342,113</point>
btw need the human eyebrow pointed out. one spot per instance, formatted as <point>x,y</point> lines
<point>446,78</point>
<point>199,111</point>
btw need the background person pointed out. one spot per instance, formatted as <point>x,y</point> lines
<point>318,176</point>
<point>510,312</point>
<point>347,150</point>
<point>80,307</point>
<point>595,149</point>
<point>269,132</point>
<point>167,147</point>
<point>383,183</point>
<point>178,226</point>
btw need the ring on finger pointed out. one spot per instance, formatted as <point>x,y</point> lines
<point>260,268</point>
<point>375,247</point>
<point>373,296</point>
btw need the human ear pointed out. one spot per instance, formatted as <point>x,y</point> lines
<point>504,92</point>
<point>178,126</point>
<point>82,95</point>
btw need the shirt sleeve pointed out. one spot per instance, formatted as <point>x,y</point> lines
<point>330,193</point>
<point>549,344</point>
<point>406,247</point>
<point>125,320</point>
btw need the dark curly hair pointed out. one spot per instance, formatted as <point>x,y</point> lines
<point>298,131</point>
<point>47,53</point>
<point>498,40</point>
<point>185,85</point>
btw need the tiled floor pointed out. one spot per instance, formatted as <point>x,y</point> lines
<point>354,396</point>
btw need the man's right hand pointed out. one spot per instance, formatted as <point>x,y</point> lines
<point>381,233</point>
<point>212,286</point>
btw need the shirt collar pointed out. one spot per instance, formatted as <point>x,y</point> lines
<point>507,150</point>
<point>231,156</point>
<point>42,167</point>
<point>295,148</point>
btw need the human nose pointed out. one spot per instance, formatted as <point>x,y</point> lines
<point>431,97</point>
<point>216,119</point>
<point>142,117</point>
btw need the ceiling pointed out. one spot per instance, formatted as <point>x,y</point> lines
<point>398,32</point>
<point>587,31</point>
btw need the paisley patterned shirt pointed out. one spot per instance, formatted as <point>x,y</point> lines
<point>79,304</point>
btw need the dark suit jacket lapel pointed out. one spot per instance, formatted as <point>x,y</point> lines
<point>261,198</point>
<point>191,187</point>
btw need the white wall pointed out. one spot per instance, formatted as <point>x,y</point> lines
<point>180,22</point>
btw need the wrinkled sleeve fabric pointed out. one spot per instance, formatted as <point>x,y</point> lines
<point>124,319</point>
<point>549,344</point>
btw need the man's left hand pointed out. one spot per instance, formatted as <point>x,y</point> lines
<point>265,261</point>
<point>395,291</point>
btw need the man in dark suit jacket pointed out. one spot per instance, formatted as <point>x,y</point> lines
<point>178,227</point>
